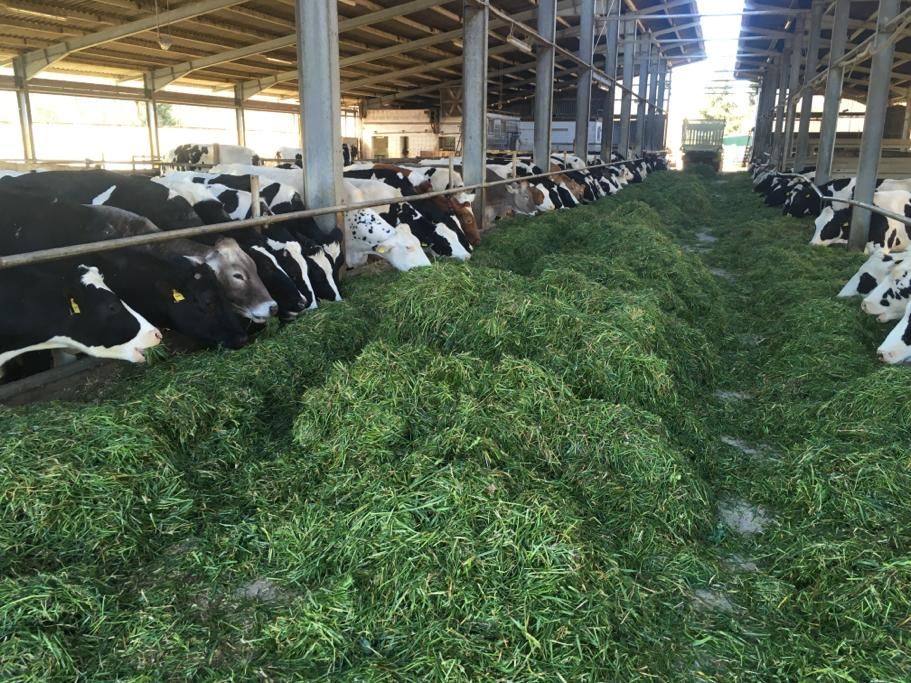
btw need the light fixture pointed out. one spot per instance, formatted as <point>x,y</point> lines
<point>518,44</point>
<point>350,3</point>
<point>276,60</point>
<point>458,43</point>
<point>164,41</point>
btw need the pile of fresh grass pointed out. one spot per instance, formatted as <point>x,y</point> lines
<point>506,470</point>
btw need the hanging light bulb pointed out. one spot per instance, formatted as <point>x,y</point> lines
<point>164,41</point>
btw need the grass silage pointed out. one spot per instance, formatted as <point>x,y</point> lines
<point>507,470</point>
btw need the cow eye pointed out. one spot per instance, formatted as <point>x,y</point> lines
<point>239,276</point>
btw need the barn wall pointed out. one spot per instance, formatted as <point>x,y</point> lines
<point>393,124</point>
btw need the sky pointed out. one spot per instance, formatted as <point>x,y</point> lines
<point>690,83</point>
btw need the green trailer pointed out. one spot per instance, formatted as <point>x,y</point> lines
<point>703,142</point>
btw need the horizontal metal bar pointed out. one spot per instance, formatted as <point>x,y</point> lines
<point>57,253</point>
<point>852,202</point>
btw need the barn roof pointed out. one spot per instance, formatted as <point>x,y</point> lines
<point>762,36</point>
<point>405,50</point>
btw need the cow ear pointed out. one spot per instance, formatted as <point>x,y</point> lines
<point>469,198</point>
<point>512,189</point>
<point>195,259</point>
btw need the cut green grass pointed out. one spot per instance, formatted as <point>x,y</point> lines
<point>505,470</point>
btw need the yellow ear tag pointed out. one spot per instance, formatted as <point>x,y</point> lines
<point>380,249</point>
<point>177,296</point>
<point>74,307</point>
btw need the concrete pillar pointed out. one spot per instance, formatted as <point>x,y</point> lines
<point>475,21</point>
<point>645,47</point>
<point>806,104</point>
<point>25,110</point>
<point>768,108</point>
<point>793,87</point>
<point>240,119</point>
<point>874,122</point>
<point>320,98</point>
<point>612,29</point>
<point>584,84</point>
<point>626,102</point>
<point>834,80</point>
<point>544,83</point>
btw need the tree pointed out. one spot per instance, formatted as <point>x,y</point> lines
<point>165,113</point>
<point>725,105</point>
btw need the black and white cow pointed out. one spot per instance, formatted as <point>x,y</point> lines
<point>365,230</point>
<point>205,155</point>
<point>441,239</point>
<point>206,202</point>
<point>833,225</point>
<point>68,306</point>
<point>896,348</point>
<point>321,251</point>
<point>889,299</point>
<point>874,271</point>
<point>170,291</point>
<point>96,187</point>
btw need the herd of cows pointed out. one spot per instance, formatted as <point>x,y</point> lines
<point>220,289</point>
<point>884,280</point>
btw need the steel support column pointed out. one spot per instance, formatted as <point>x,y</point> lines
<point>240,119</point>
<point>766,88</point>
<point>320,98</point>
<point>906,126</point>
<point>475,21</point>
<point>612,31</point>
<point>874,122</point>
<point>626,101</point>
<point>644,58</point>
<point>25,110</point>
<point>784,63</point>
<point>544,83</point>
<point>151,117</point>
<point>834,81</point>
<point>660,117</point>
<point>793,87</point>
<point>806,103</point>
<point>584,83</point>
<point>648,140</point>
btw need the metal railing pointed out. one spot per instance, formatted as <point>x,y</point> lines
<point>69,251</point>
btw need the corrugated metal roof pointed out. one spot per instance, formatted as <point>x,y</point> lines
<point>391,56</point>
<point>762,37</point>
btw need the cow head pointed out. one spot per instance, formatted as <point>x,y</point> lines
<point>889,298</point>
<point>99,323</point>
<point>460,205</point>
<point>897,346</point>
<point>522,199</point>
<point>831,227</point>
<point>403,250</point>
<point>195,304</point>
<point>236,273</point>
<point>878,267</point>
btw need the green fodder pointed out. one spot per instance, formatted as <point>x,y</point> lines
<point>813,349</point>
<point>246,390</point>
<point>680,199</point>
<point>491,313</point>
<point>451,509</point>
<point>43,617</point>
<point>88,485</point>
<point>693,358</point>
<point>870,410</point>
